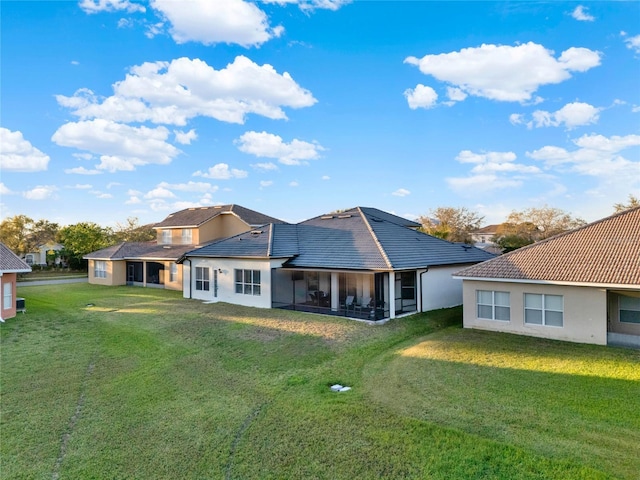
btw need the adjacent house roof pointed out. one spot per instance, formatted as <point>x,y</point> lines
<point>139,251</point>
<point>486,230</point>
<point>10,262</point>
<point>357,239</point>
<point>194,217</point>
<point>603,252</point>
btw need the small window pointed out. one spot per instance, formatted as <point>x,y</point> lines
<point>542,309</point>
<point>629,309</point>
<point>173,272</point>
<point>186,236</point>
<point>166,237</point>
<point>100,269</point>
<point>202,278</point>
<point>247,282</point>
<point>493,305</point>
<point>7,295</point>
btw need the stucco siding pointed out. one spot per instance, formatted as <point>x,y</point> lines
<point>8,279</point>
<point>584,311</point>
<point>439,288</point>
<point>115,273</point>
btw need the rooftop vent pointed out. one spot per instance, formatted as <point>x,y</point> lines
<point>344,216</point>
<point>326,217</point>
<point>256,232</point>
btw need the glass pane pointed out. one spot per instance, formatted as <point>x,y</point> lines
<point>629,303</point>
<point>502,299</point>
<point>247,276</point>
<point>238,275</point>
<point>532,300</point>
<point>485,297</point>
<point>247,289</point>
<point>503,313</point>
<point>238,288</point>
<point>533,316</point>
<point>205,274</point>
<point>256,289</point>
<point>256,276</point>
<point>485,311</point>
<point>553,302</point>
<point>553,319</point>
<point>630,316</point>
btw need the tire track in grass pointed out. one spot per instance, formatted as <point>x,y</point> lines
<point>236,440</point>
<point>66,436</point>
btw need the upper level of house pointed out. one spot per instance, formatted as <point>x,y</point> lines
<point>484,234</point>
<point>200,225</point>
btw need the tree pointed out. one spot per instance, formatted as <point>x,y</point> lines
<point>453,224</point>
<point>43,231</point>
<point>132,231</point>
<point>533,224</point>
<point>633,203</point>
<point>14,233</point>
<point>83,238</point>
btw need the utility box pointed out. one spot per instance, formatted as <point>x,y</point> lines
<point>20,305</point>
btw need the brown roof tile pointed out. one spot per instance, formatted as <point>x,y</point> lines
<point>10,262</point>
<point>603,252</point>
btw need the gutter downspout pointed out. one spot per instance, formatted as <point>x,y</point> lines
<point>422,304</point>
<point>190,274</point>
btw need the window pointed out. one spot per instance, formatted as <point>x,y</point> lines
<point>100,269</point>
<point>202,278</point>
<point>186,236</point>
<point>166,236</point>
<point>493,305</point>
<point>173,272</point>
<point>29,259</point>
<point>247,282</point>
<point>7,295</point>
<point>629,309</point>
<point>543,309</point>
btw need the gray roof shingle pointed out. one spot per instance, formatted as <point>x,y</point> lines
<point>10,262</point>
<point>140,250</point>
<point>603,252</point>
<point>194,217</point>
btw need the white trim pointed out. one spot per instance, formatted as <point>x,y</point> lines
<point>551,282</point>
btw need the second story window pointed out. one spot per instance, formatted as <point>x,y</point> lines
<point>166,236</point>
<point>186,236</point>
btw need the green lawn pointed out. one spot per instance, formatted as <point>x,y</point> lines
<point>127,383</point>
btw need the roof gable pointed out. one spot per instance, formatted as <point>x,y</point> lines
<point>603,252</point>
<point>10,262</point>
<point>196,216</point>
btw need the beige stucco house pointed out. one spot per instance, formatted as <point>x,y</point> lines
<point>10,266</point>
<point>153,264</point>
<point>580,286</point>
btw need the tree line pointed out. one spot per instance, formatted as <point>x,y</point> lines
<point>24,235</point>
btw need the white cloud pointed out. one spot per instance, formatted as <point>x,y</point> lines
<point>505,73</point>
<point>95,6</point>
<point>86,186</point>
<point>202,187</point>
<point>633,43</point>
<point>312,4</point>
<point>159,192</point>
<point>4,190</point>
<point>401,192</point>
<point>293,184</point>
<point>221,171</point>
<point>265,166</point>
<point>580,14</point>
<point>185,138</point>
<point>174,92</point>
<point>456,94</point>
<point>133,200</point>
<point>596,155</point>
<point>113,184</point>
<point>18,155</point>
<point>421,97</point>
<point>41,192</point>
<point>99,194</point>
<point>481,183</point>
<point>265,183</point>
<point>210,22</point>
<point>326,177</point>
<point>467,156</point>
<point>571,115</point>
<point>516,119</point>
<point>82,171</point>
<point>121,147</point>
<point>263,144</point>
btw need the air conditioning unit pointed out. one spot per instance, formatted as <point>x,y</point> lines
<point>20,305</point>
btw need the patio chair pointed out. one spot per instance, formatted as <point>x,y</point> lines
<point>364,304</point>
<point>348,303</point>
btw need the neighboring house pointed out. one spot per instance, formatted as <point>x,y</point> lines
<point>581,286</point>
<point>153,264</point>
<point>10,266</point>
<point>362,263</point>
<point>39,256</point>
<point>482,238</point>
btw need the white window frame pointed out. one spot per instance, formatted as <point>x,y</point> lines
<point>100,269</point>
<point>7,296</point>
<point>545,309</point>
<point>29,258</point>
<point>187,236</point>
<point>494,305</point>
<point>173,272</point>
<point>202,279</point>
<point>166,236</point>
<point>247,281</point>
<point>626,304</point>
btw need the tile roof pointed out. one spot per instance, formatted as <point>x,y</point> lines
<point>603,252</point>
<point>10,262</point>
<point>357,239</point>
<point>140,251</point>
<point>194,217</point>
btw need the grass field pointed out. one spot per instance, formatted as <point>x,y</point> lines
<point>132,383</point>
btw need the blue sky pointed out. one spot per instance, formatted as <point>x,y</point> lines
<point>119,108</point>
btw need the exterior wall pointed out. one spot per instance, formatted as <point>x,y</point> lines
<point>177,283</point>
<point>615,325</point>
<point>584,317</point>
<point>226,281</point>
<point>116,273</point>
<point>176,236</point>
<point>439,288</point>
<point>8,278</point>
<point>222,226</point>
